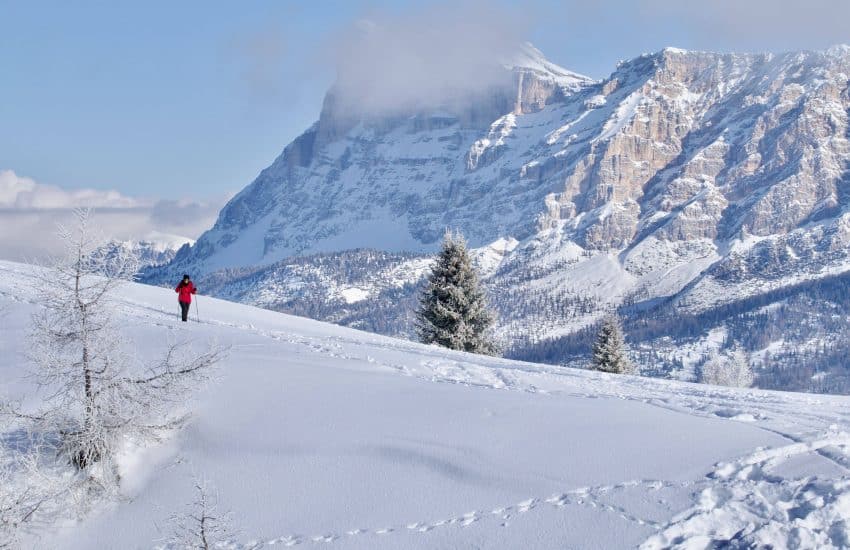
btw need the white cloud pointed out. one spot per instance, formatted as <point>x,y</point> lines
<point>425,56</point>
<point>21,193</point>
<point>30,212</point>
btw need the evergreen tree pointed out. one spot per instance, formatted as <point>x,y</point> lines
<point>453,308</point>
<point>609,350</point>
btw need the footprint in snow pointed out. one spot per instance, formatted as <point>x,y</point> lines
<point>558,500</point>
<point>526,505</point>
<point>469,519</point>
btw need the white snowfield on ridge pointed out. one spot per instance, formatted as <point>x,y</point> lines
<point>314,435</point>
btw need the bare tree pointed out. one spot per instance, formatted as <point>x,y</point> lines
<point>731,368</point>
<point>97,395</point>
<point>9,507</point>
<point>25,488</point>
<point>203,525</point>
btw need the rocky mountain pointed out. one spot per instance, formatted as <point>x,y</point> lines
<point>154,250</point>
<point>705,196</point>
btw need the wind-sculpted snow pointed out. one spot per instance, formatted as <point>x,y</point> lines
<point>321,435</point>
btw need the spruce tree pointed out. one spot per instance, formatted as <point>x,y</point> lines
<point>453,309</point>
<point>609,350</point>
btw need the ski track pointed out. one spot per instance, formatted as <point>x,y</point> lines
<point>738,503</point>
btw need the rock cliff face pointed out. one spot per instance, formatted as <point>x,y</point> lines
<point>693,178</point>
<point>391,182</point>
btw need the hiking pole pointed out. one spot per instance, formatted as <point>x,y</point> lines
<point>197,315</point>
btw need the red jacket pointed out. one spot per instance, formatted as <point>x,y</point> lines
<point>185,291</point>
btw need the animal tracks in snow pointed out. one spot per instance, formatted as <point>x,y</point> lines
<point>768,495</point>
<point>587,496</point>
<point>741,500</point>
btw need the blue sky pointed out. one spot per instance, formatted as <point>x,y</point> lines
<point>192,99</point>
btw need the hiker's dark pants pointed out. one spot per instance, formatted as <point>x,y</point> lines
<point>184,309</point>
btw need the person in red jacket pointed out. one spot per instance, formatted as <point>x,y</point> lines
<point>184,295</point>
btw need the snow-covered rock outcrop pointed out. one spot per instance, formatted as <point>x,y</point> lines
<point>153,250</point>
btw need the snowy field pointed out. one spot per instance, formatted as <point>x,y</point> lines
<point>319,436</point>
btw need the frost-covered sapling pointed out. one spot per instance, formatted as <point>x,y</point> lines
<point>731,368</point>
<point>26,489</point>
<point>11,512</point>
<point>97,395</point>
<point>203,525</point>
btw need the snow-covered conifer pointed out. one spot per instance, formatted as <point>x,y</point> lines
<point>453,307</point>
<point>609,350</point>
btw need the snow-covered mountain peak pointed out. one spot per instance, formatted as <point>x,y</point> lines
<point>499,160</point>
<point>529,58</point>
<point>154,249</point>
<point>165,241</point>
<point>840,51</point>
<point>690,177</point>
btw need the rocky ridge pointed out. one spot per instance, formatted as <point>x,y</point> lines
<point>686,181</point>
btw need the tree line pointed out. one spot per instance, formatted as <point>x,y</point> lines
<point>454,313</point>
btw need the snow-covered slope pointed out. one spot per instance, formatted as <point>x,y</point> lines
<point>319,435</point>
<point>690,180</point>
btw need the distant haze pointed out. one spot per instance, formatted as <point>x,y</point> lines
<point>30,213</point>
<point>759,24</point>
<point>424,57</point>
